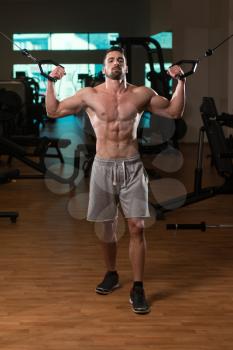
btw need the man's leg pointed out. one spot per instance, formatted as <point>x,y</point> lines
<point>109,246</point>
<point>137,252</point>
<point>137,247</point>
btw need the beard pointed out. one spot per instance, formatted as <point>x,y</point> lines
<point>116,74</point>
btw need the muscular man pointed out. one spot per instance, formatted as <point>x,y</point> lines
<point>118,176</point>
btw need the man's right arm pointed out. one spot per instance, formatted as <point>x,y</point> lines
<point>68,106</point>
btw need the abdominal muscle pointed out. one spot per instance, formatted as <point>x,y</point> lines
<point>113,150</point>
<point>116,140</point>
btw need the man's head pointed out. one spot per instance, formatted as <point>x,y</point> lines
<point>115,66</point>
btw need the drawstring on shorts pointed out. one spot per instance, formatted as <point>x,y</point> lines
<point>115,174</point>
<point>114,182</point>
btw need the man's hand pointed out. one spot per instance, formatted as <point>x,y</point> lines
<point>58,72</point>
<point>175,72</point>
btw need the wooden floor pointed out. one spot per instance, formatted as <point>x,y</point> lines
<point>50,263</point>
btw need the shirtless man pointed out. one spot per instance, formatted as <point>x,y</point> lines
<point>118,176</point>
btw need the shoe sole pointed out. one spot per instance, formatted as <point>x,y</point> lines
<point>139,311</point>
<point>105,292</point>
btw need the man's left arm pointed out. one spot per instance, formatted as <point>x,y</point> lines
<point>175,107</point>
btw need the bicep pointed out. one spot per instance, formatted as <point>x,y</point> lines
<point>70,105</point>
<point>159,105</point>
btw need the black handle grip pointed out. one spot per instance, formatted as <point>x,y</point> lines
<point>25,52</point>
<point>47,76</point>
<point>193,63</point>
<point>201,226</point>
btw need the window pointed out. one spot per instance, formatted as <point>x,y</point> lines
<point>164,39</point>
<point>64,41</point>
<point>31,41</point>
<point>101,41</point>
<point>69,41</point>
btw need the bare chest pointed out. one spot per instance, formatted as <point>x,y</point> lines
<point>111,108</point>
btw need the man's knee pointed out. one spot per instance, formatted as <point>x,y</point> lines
<point>136,226</point>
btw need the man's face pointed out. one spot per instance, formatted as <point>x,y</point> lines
<point>115,66</point>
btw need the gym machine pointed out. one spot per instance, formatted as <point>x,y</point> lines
<point>221,157</point>
<point>21,98</point>
<point>219,147</point>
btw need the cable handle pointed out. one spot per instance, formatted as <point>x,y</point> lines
<point>193,63</point>
<point>47,76</point>
<point>26,53</point>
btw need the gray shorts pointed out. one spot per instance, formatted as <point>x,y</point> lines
<point>115,181</point>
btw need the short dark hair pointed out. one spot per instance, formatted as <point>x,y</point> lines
<point>114,48</point>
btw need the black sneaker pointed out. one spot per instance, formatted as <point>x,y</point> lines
<point>138,301</point>
<point>109,283</point>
